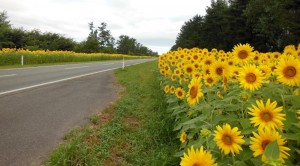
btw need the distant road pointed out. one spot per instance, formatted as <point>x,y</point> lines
<point>13,80</point>
<point>39,105</point>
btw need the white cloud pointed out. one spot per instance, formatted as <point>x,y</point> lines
<point>154,23</point>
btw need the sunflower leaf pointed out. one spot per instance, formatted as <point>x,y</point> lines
<point>272,151</point>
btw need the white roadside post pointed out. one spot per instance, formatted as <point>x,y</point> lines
<point>22,60</point>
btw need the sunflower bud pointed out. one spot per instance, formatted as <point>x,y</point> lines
<point>205,132</point>
<point>245,96</point>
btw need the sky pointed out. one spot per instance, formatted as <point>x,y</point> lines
<point>153,23</point>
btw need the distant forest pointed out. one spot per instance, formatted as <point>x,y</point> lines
<point>98,40</point>
<point>268,25</point>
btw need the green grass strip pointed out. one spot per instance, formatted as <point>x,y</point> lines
<point>135,131</point>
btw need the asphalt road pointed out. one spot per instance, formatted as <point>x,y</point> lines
<point>39,105</point>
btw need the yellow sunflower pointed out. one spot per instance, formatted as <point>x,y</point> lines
<point>220,69</point>
<point>197,157</point>
<point>228,140</point>
<point>242,52</point>
<point>210,80</point>
<point>266,116</point>
<point>259,142</point>
<point>288,71</point>
<point>172,89</point>
<point>250,77</point>
<point>180,93</point>
<point>195,91</point>
<point>167,89</point>
<point>208,60</point>
<point>189,69</point>
<point>183,137</point>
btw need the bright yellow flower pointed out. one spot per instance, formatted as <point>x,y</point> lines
<point>197,157</point>
<point>210,80</point>
<point>183,137</point>
<point>194,92</point>
<point>228,140</point>
<point>220,69</point>
<point>288,71</point>
<point>242,52</point>
<point>167,89</point>
<point>180,93</point>
<point>250,78</point>
<point>259,142</point>
<point>266,116</point>
<point>189,69</point>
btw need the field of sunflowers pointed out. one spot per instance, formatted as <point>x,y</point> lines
<point>238,108</point>
<point>11,56</point>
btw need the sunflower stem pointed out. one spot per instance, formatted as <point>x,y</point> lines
<point>233,159</point>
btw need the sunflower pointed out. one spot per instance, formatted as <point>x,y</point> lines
<point>180,93</point>
<point>250,77</point>
<point>210,80</point>
<point>259,142</point>
<point>288,71</point>
<point>197,157</point>
<point>242,52</point>
<point>183,137</point>
<point>208,60</point>
<point>265,70</point>
<point>189,69</point>
<point>167,89</point>
<point>194,92</point>
<point>220,69</point>
<point>228,140</point>
<point>266,116</point>
<point>172,89</point>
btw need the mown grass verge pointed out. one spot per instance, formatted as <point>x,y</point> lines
<point>135,130</point>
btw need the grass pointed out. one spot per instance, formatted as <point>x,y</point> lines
<point>136,130</point>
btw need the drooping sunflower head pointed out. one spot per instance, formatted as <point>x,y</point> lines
<point>266,115</point>
<point>288,71</point>
<point>180,93</point>
<point>242,52</point>
<point>197,157</point>
<point>265,136</point>
<point>195,91</point>
<point>228,140</point>
<point>250,77</point>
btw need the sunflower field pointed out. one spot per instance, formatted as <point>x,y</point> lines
<point>234,108</point>
<point>9,56</point>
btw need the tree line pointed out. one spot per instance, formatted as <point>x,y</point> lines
<point>98,40</point>
<point>268,25</point>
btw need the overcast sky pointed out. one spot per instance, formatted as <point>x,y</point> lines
<point>154,23</point>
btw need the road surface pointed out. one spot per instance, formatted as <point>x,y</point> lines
<point>39,105</point>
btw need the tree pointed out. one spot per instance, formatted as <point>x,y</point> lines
<point>5,31</point>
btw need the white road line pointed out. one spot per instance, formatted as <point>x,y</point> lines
<point>77,67</point>
<point>108,63</point>
<point>61,80</point>
<point>10,75</point>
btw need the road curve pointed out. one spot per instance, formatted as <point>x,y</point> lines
<point>34,119</point>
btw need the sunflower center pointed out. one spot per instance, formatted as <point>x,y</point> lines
<point>193,92</point>
<point>243,54</point>
<point>179,93</point>
<point>227,139</point>
<point>230,63</point>
<point>208,62</point>
<point>209,80</point>
<point>289,72</point>
<point>250,77</point>
<point>196,164</point>
<point>265,143</point>
<point>195,57</point>
<point>266,116</point>
<point>219,71</point>
<point>207,71</point>
<point>189,70</point>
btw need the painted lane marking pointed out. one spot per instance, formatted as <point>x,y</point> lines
<point>10,75</point>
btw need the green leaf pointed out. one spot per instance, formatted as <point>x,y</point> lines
<point>272,151</point>
<point>193,121</point>
<point>291,117</point>
<point>293,136</point>
<point>245,123</point>
<point>239,163</point>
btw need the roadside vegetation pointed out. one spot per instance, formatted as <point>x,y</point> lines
<point>11,57</point>
<point>135,130</point>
